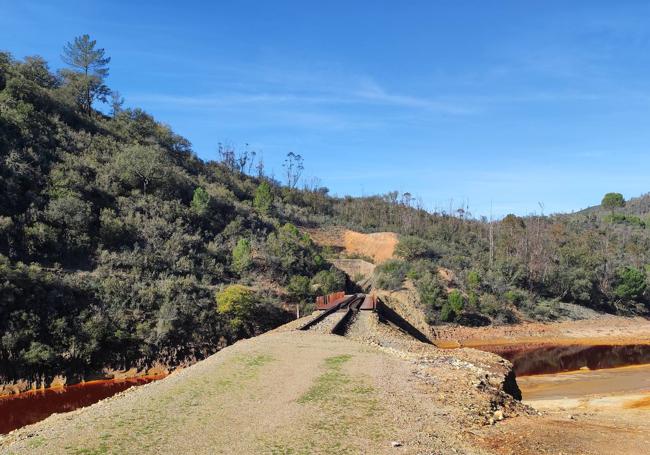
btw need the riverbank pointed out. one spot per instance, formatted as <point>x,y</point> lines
<point>23,386</point>
<point>604,329</point>
<point>315,393</point>
<point>26,408</point>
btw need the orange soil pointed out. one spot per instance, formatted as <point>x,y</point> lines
<point>639,404</point>
<point>379,246</point>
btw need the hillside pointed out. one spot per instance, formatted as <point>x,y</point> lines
<point>115,238</point>
<point>120,248</point>
<point>639,206</point>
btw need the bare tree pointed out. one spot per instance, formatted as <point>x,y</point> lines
<point>259,168</point>
<point>293,167</point>
<point>117,101</point>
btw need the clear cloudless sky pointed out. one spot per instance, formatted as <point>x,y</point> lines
<point>502,104</point>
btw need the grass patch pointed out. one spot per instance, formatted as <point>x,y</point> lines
<point>336,361</point>
<point>101,450</point>
<point>256,360</point>
<point>35,442</point>
<point>328,383</point>
<point>345,415</point>
<point>185,400</point>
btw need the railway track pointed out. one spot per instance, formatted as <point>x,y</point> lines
<point>352,309</point>
<point>340,314</point>
<point>331,319</point>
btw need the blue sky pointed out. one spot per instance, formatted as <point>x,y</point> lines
<point>502,104</point>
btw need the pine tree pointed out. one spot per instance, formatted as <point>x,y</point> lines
<point>90,68</point>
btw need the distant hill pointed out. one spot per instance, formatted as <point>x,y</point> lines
<point>639,206</point>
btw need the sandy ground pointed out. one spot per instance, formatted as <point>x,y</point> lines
<point>560,432</point>
<point>605,329</point>
<point>583,384</point>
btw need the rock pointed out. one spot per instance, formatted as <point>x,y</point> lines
<point>498,415</point>
<point>396,444</point>
<point>491,421</point>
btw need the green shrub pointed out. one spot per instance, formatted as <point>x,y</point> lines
<point>410,248</point>
<point>631,283</point>
<point>419,268</point>
<point>200,201</point>
<point>432,295</point>
<point>514,297</point>
<point>447,313</point>
<point>263,200</point>
<point>620,218</point>
<point>453,307</point>
<point>237,303</point>
<point>299,288</point>
<point>328,281</point>
<point>289,252</point>
<point>241,256</point>
<point>473,280</point>
<point>390,274</point>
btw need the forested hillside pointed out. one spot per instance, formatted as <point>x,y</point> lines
<point>115,238</point>
<point>119,247</point>
<point>517,267</point>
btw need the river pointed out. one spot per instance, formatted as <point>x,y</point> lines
<point>30,407</point>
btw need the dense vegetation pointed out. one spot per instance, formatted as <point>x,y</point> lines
<point>518,267</point>
<point>115,239</point>
<point>119,247</point>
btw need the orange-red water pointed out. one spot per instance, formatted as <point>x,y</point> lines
<point>29,407</point>
<point>546,359</point>
<point>552,372</point>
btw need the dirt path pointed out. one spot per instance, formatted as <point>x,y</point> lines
<point>292,392</point>
<point>284,392</point>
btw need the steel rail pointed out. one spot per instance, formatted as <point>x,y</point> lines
<point>326,313</point>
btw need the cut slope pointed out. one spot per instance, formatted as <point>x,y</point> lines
<point>378,246</point>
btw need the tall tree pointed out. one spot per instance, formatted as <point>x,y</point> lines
<point>90,66</point>
<point>613,201</point>
<point>293,167</point>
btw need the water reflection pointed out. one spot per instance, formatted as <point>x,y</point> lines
<point>531,360</point>
<point>30,407</point>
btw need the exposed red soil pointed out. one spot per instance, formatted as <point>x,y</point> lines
<point>378,246</point>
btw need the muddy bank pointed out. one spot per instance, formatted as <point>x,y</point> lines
<point>56,382</point>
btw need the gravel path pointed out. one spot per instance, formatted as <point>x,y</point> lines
<point>284,393</point>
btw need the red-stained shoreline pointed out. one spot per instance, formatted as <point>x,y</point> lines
<point>34,405</point>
